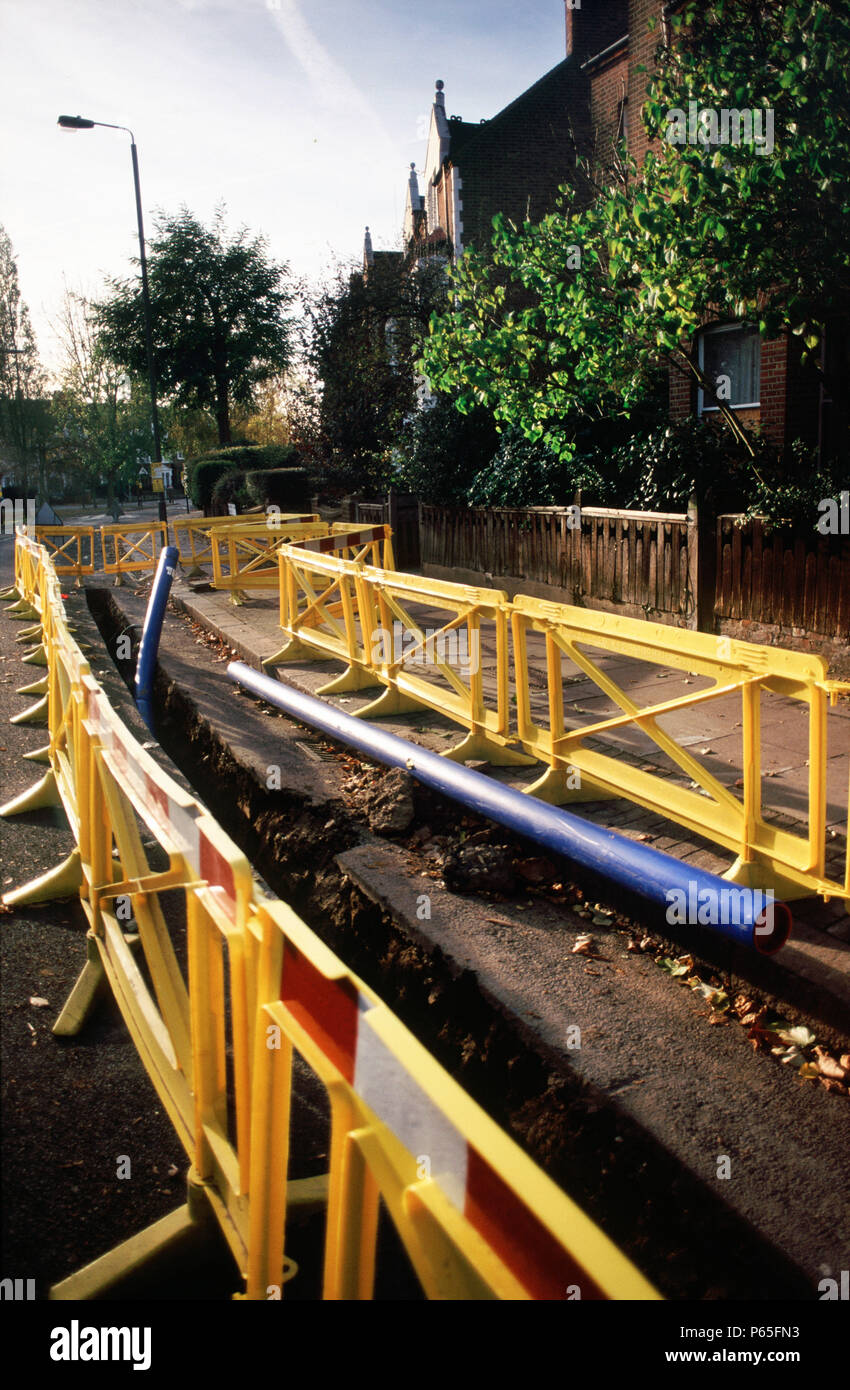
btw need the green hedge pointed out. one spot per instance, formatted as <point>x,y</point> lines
<point>287,488</point>
<point>203,478</point>
<point>230,487</point>
<point>205,471</point>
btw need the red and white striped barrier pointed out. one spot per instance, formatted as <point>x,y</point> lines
<point>335,1015</point>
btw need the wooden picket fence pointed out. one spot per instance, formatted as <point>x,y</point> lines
<point>661,565</point>
<point>782,576</point>
<point>641,562</point>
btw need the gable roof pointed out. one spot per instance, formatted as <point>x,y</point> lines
<point>515,162</point>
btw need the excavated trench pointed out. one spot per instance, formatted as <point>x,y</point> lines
<point>678,1231</point>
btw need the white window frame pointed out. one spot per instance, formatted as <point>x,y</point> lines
<point>702,408</point>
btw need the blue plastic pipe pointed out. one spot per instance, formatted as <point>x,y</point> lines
<point>746,916</point>
<point>152,631</point>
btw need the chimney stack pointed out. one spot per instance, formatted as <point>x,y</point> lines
<point>592,25</point>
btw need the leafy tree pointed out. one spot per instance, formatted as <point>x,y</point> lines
<point>365,336</point>
<point>522,474</point>
<point>441,451</point>
<point>103,416</point>
<point>284,412</point>
<point>24,411</point>
<point>190,430</point>
<point>592,300</point>
<point>219,309</point>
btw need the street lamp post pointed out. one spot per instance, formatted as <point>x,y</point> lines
<point>81,123</point>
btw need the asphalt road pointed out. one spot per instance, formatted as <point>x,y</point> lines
<point>70,1107</point>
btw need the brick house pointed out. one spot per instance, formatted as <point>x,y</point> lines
<point>515,163</point>
<point>770,389</point>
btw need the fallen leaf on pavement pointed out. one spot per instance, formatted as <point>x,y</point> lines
<point>799,1037</point>
<point>536,870</point>
<point>827,1066</point>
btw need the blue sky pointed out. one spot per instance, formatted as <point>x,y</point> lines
<point>301,115</point>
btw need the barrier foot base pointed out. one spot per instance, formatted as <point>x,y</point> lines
<point>29,634</point>
<point>561,785</point>
<point>38,687</point>
<point>480,748</point>
<point>162,1254</point>
<point>292,651</point>
<point>351,680</point>
<point>391,702</point>
<point>38,657</point>
<point>21,610</point>
<point>64,881</point>
<point>237,598</point>
<point>84,995</point>
<point>43,795</point>
<point>39,755</point>
<point>195,573</point>
<point>755,873</point>
<point>36,714</point>
<point>9,594</point>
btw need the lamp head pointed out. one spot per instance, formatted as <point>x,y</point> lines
<point>75,123</point>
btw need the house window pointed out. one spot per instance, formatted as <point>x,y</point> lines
<point>730,356</point>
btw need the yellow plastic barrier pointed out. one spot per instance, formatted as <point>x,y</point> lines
<point>793,865</point>
<point>192,534</point>
<point>476,1216</point>
<point>478,1219</point>
<point>130,548</point>
<point>398,644</point>
<point>361,615</point>
<point>67,546</point>
<point>24,591</point>
<point>322,621</point>
<point>244,556</point>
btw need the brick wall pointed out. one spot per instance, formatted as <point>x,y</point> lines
<point>774,386</point>
<point>682,396</point>
<point>516,162</point>
<point>609,83</point>
<point>642,46</point>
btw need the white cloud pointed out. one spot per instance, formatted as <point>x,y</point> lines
<point>329,79</point>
